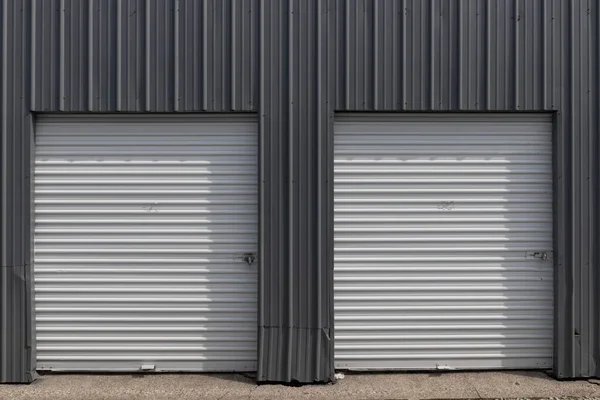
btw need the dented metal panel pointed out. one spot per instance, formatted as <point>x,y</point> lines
<point>145,229</point>
<point>442,230</point>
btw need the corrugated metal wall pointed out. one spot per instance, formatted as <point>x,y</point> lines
<point>295,62</point>
<point>16,328</point>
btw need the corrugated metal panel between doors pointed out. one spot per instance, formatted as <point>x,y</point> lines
<point>443,241</point>
<point>141,223</point>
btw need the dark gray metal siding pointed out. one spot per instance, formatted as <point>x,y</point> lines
<point>16,330</point>
<point>295,62</point>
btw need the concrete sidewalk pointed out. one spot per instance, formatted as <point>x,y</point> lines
<point>513,384</point>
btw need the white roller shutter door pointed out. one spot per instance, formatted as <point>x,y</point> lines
<point>443,241</point>
<point>141,224</point>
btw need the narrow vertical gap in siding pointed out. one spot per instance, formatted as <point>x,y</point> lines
<point>121,58</point>
<point>262,355</point>
<point>43,48</point>
<point>404,60</point>
<point>33,54</point>
<point>544,62</point>
<point>470,49</point>
<point>581,171</point>
<point>285,156</point>
<point>579,162</point>
<point>474,56</point>
<point>432,55</point>
<point>573,186</point>
<point>554,64</point>
<point>537,55</point>
<point>527,60</point>
<point>282,155</point>
<point>137,72</point>
<point>189,50</point>
<point>215,53</point>
<point>36,93</point>
<point>338,58</point>
<point>178,105</point>
<point>488,55</point>
<point>148,80</point>
<point>584,28</point>
<point>240,62</point>
<point>159,54</point>
<point>479,59</point>
<point>54,65</point>
<point>5,247</point>
<point>584,176</point>
<point>516,52</point>
<point>204,55</point>
<point>306,30</point>
<point>172,52</point>
<point>375,76</point>
<point>480,64</point>
<point>332,48</point>
<point>460,56</point>
<point>274,283</point>
<point>595,177</point>
<point>591,198</point>
<point>27,359</point>
<point>445,56</point>
<point>564,341</point>
<point>113,66</point>
<point>387,76</point>
<point>395,54</point>
<point>4,154</point>
<point>91,76</point>
<point>249,44</point>
<point>507,56</point>
<point>312,118</point>
<point>84,81</point>
<point>347,55</point>
<point>423,55</point>
<point>62,64</point>
<point>246,37</point>
<point>232,69</point>
<point>222,63</point>
<point>103,89</point>
<point>496,68</point>
<point>291,211</point>
<point>104,46</point>
<point>446,62</point>
<point>71,80</point>
<point>320,201</point>
<point>140,87</point>
<point>362,60</point>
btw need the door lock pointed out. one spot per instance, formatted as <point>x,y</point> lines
<point>248,258</point>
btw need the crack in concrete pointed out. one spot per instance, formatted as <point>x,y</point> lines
<point>223,395</point>
<point>475,389</point>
